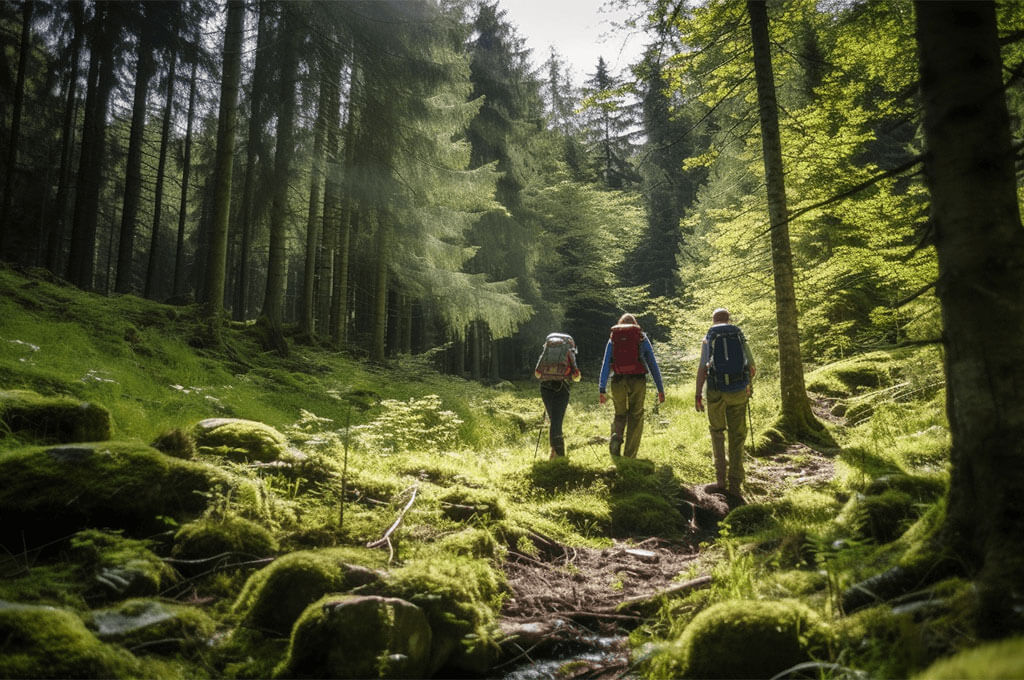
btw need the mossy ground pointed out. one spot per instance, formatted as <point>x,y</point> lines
<point>482,484</point>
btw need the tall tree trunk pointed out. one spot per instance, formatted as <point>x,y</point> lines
<point>314,221</point>
<point>179,252</point>
<point>254,143</point>
<point>15,138</point>
<point>55,246</point>
<point>378,344</point>
<point>153,268</point>
<point>133,172</point>
<point>223,163</point>
<point>348,220</point>
<point>797,419</point>
<point>332,204</point>
<point>273,299</point>
<point>82,256</point>
<point>979,240</point>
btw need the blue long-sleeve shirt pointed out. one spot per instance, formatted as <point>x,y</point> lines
<point>646,356</point>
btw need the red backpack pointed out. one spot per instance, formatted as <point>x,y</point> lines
<point>626,339</point>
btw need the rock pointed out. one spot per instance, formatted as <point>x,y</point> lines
<point>241,439</point>
<point>208,537</point>
<point>52,420</point>
<point>153,626</point>
<point>46,642</point>
<point>121,567</point>
<point>751,639</point>
<point>49,493</point>
<point>359,637</point>
<point>1003,660</point>
<point>275,596</point>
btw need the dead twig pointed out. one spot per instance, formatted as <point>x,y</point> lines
<point>386,538</point>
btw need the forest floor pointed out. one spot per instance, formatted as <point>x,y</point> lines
<point>571,609</point>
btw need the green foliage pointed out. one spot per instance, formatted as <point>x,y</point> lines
<point>416,423</point>
<point>1000,660</point>
<point>463,504</point>
<point>47,420</point>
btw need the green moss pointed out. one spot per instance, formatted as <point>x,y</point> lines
<point>210,536</point>
<point>43,642</point>
<point>645,514</point>
<point>882,518</point>
<point>460,597</point>
<point>51,420</point>
<point>1003,660</point>
<point>751,639</point>
<point>274,597</point>
<point>471,542</point>
<point>792,583</point>
<point>587,514</point>
<point>240,439</point>
<point>749,519</point>
<point>918,487</point>
<point>116,484</point>
<point>462,504</point>
<point>359,637</point>
<point>119,567</point>
<point>563,474</point>
<point>853,375</point>
<point>154,627</point>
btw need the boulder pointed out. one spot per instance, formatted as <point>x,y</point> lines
<point>46,642</point>
<point>51,420</point>
<point>274,597</point>
<point>120,567</point>
<point>750,639</point>
<point>362,636</point>
<point>209,537</point>
<point>154,627</point>
<point>239,439</point>
<point>1003,660</point>
<point>52,492</point>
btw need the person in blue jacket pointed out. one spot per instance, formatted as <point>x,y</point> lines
<point>630,356</point>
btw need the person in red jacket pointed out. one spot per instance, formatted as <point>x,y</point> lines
<point>630,355</point>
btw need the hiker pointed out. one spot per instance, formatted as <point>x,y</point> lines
<point>630,355</point>
<point>555,368</point>
<point>727,366</point>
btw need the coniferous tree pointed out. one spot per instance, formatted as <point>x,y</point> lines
<point>611,126</point>
<point>15,137</point>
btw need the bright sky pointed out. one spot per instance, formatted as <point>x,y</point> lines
<point>580,30</point>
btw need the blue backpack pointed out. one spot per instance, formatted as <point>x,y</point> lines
<point>727,364</point>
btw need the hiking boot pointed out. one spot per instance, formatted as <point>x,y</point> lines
<point>555,454</point>
<point>615,445</point>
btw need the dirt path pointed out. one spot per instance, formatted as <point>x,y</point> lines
<point>578,604</point>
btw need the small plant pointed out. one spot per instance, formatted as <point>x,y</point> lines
<point>407,425</point>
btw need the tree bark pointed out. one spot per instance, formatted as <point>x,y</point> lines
<point>975,216</point>
<point>348,218</point>
<point>55,245</point>
<point>797,419</point>
<point>179,251</point>
<point>82,256</point>
<point>153,268</point>
<point>15,138</point>
<point>314,222</point>
<point>332,205</point>
<point>378,344</point>
<point>223,163</point>
<point>273,299</point>
<point>254,141</point>
<point>144,68</point>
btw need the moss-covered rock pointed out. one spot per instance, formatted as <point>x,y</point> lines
<point>881,517</point>
<point>462,503</point>
<point>645,514</point>
<point>208,537</point>
<point>45,642</point>
<point>750,639</point>
<point>471,542</point>
<point>359,637</point>
<point>51,420</point>
<point>119,567</point>
<point>177,443</point>
<point>1003,660</point>
<point>51,492</point>
<point>241,439</point>
<point>274,597</point>
<point>919,487</point>
<point>154,627</point>
<point>749,519</point>
<point>459,597</point>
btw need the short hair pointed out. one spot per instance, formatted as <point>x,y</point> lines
<point>628,319</point>
<point>720,315</point>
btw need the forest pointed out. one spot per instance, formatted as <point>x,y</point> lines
<point>275,277</point>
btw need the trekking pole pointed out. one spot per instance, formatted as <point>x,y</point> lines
<point>540,429</point>
<point>750,427</point>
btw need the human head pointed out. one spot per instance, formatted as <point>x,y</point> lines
<point>628,319</point>
<point>720,315</point>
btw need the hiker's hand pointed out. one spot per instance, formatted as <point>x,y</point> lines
<point>750,390</point>
<point>602,398</point>
<point>576,375</point>
<point>661,397</point>
<point>699,403</point>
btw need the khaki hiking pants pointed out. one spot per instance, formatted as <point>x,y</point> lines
<point>628,393</point>
<point>728,411</point>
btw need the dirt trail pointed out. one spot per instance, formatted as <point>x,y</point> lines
<point>566,602</point>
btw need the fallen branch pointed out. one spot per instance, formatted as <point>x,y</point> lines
<point>693,584</point>
<point>386,538</point>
